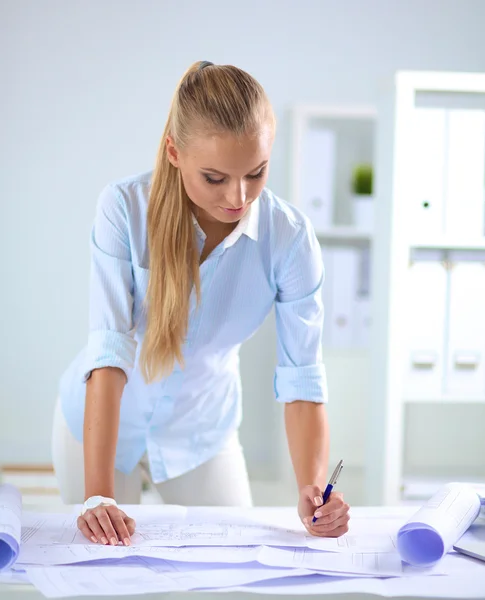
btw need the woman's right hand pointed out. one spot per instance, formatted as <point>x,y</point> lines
<point>106,525</point>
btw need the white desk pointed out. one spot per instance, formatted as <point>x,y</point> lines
<point>440,586</point>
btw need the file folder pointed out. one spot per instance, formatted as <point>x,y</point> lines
<point>362,321</point>
<point>362,303</point>
<point>327,295</point>
<point>345,273</point>
<point>318,177</point>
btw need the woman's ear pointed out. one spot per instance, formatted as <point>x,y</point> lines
<point>172,152</point>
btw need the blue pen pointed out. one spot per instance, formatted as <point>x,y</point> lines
<point>331,483</point>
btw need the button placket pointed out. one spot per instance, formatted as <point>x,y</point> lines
<point>207,273</point>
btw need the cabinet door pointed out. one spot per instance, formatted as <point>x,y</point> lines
<point>466,347</point>
<point>424,330</point>
<point>427,172</point>
<point>465,173</point>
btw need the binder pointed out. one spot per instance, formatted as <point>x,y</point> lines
<point>362,321</point>
<point>466,347</point>
<point>345,272</point>
<point>424,328</point>
<point>318,177</point>
<point>327,295</point>
<point>427,175</point>
<point>465,173</point>
<point>362,301</point>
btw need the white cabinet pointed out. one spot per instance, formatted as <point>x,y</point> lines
<point>428,342</point>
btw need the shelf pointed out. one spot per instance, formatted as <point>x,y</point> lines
<point>450,244</point>
<point>346,352</point>
<point>344,233</point>
<point>446,400</point>
<point>309,111</point>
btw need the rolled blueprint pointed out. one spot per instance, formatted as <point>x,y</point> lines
<point>10,524</point>
<point>440,523</point>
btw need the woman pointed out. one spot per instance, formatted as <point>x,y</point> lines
<point>187,261</point>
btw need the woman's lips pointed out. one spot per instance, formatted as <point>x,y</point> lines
<point>234,211</point>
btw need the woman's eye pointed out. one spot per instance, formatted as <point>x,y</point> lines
<point>258,175</point>
<point>213,181</point>
<point>218,181</point>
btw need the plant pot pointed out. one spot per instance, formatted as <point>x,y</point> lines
<point>363,211</point>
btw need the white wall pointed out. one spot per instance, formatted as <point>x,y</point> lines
<point>86,85</point>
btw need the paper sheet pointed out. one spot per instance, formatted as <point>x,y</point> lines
<point>464,579</point>
<point>364,535</point>
<point>356,542</point>
<point>65,581</point>
<point>382,564</point>
<point>65,555</point>
<point>163,528</point>
<point>215,534</point>
<point>433,530</point>
<point>52,528</point>
<point>10,524</point>
<point>313,584</point>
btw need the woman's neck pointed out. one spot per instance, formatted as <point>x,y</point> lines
<point>213,228</point>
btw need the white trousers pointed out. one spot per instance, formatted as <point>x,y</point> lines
<point>221,481</point>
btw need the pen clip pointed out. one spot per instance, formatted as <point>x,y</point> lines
<point>336,473</point>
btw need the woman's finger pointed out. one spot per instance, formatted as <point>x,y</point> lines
<point>334,533</point>
<point>335,502</point>
<point>105,522</point>
<point>92,521</point>
<point>85,529</point>
<point>130,523</point>
<point>329,517</point>
<point>118,523</point>
<point>328,527</point>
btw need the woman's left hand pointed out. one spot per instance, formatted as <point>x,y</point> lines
<point>332,518</point>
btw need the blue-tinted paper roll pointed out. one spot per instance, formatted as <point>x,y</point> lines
<point>10,528</point>
<point>440,523</point>
<point>420,544</point>
<point>9,550</point>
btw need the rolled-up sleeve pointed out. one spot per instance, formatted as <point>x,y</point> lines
<point>111,340</point>
<point>300,374</point>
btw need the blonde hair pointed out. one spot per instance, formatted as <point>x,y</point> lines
<point>208,99</point>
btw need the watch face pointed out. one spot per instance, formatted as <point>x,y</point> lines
<point>94,501</point>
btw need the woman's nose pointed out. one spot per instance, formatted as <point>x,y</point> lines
<point>237,198</point>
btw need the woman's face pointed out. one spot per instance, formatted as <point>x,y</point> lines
<point>223,174</point>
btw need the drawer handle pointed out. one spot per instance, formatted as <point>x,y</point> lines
<point>424,360</point>
<point>467,360</point>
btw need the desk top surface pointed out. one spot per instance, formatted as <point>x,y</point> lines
<point>358,588</point>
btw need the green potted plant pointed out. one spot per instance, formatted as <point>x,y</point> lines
<point>363,199</point>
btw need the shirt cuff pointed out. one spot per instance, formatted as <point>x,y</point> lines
<point>301,383</point>
<point>109,349</point>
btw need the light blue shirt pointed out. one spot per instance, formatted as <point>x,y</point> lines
<point>271,258</point>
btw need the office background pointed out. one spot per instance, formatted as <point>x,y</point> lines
<point>86,89</point>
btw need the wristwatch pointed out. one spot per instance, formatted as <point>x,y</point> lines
<point>95,501</point>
